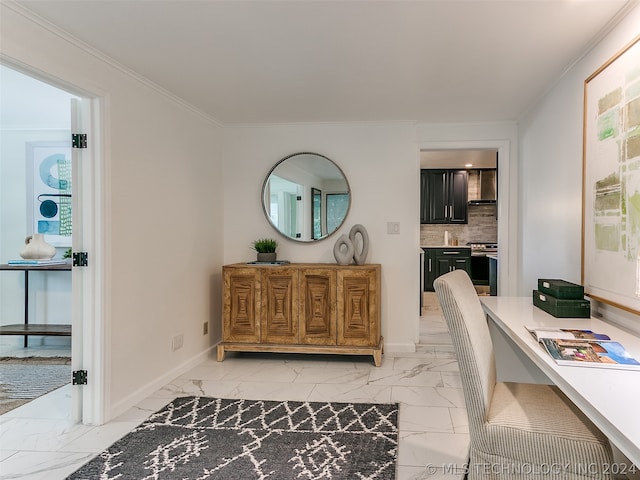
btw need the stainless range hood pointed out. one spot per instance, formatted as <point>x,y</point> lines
<point>486,193</point>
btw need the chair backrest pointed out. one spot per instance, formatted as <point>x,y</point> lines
<point>472,342</point>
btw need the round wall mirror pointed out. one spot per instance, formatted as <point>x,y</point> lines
<point>306,197</point>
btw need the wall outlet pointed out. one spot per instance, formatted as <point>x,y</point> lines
<point>393,228</point>
<point>176,342</point>
<point>205,328</point>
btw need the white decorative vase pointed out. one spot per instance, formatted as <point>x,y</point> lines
<point>36,248</point>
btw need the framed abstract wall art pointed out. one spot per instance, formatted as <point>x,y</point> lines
<point>49,191</point>
<point>611,181</point>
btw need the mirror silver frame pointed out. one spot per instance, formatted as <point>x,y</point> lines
<point>307,192</point>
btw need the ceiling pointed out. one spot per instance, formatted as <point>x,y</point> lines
<point>266,61</point>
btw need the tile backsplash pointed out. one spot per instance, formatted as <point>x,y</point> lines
<point>482,227</point>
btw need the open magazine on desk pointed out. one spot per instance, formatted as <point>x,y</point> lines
<point>584,348</point>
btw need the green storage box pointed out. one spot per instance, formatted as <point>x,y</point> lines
<point>561,288</point>
<point>562,307</point>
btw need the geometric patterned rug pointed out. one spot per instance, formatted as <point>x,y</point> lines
<point>211,438</point>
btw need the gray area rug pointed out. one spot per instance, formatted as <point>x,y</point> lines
<point>23,379</point>
<point>211,438</point>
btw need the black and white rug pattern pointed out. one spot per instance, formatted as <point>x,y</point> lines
<point>201,438</point>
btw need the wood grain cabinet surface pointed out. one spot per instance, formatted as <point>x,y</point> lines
<point>303,308</point>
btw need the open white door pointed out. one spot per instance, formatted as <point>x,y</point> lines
<point>88,336</point>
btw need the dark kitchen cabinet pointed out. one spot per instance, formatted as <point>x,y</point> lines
<point>443,196</point>
<point>438,261</point>
<point>448,260</point>
<point>429,270</point>
<point>424,197</point>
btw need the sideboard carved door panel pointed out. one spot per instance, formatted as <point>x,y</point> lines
<point>317,306</point>
<point>241,306</point>
<point>358,323</point>
<point>280,306</point>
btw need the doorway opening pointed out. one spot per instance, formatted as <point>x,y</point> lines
<point>46,190</point>
<point>471,224</point>
<point>36,199</point>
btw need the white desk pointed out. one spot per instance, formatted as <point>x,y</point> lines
<point>610,398</point>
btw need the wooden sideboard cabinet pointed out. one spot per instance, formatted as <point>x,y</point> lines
<point>303,308</point>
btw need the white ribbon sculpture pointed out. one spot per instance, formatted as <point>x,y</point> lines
<point>345,249</point>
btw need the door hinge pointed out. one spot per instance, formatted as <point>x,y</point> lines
<point>80,259</point>
<point>79,140</point>
<point>79,377</point>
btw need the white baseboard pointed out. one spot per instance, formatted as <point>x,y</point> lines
<point>399,347</point>
<point>143,392</point>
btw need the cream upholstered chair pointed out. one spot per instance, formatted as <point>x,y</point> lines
<point>515,429</point>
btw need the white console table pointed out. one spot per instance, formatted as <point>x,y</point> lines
<point>609,397</point>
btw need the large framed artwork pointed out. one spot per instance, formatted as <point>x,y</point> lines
<point>49,191</point>
<point>611,181</point>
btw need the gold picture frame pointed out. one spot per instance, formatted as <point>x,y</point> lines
<point>611,181</point>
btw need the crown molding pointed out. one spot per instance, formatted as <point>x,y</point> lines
<point>101,56</point>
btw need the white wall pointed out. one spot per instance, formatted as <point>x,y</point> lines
<point>163,205</point>
<point>380,162</point>
<point>551,169</point>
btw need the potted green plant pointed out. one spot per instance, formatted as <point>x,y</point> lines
<point>266,248</point>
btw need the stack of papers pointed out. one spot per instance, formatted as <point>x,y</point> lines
<point>57,261</point>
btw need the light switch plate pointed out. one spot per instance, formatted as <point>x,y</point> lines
<point>393,228</point>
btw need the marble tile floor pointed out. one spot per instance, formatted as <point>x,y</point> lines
<point>433,328</point>
<point>37,440</point>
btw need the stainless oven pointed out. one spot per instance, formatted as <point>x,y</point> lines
<point>480,262</point>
